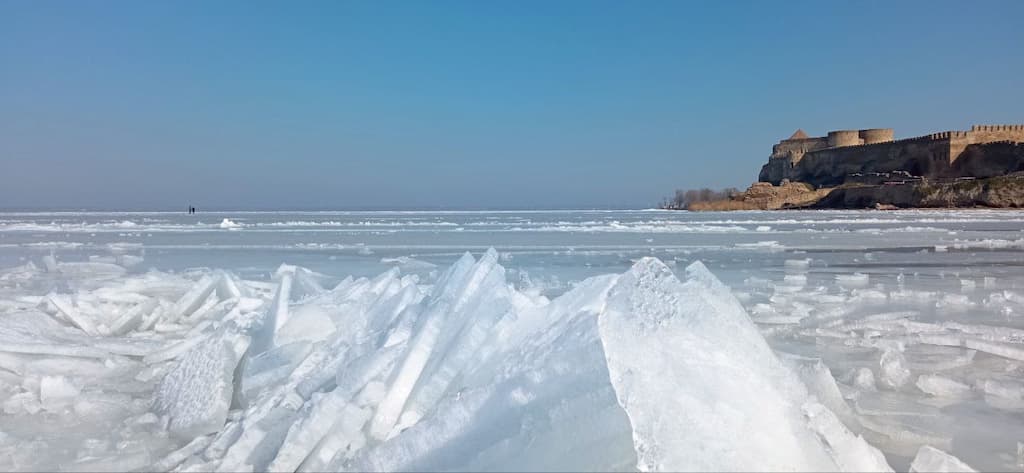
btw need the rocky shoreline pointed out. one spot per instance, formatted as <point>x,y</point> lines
<point>994,192</point>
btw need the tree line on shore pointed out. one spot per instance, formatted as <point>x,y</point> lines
<point>683,198</point>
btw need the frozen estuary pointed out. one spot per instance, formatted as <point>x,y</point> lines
<point>563,340</point>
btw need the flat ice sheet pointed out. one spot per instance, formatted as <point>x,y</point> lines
<point>917,316</point>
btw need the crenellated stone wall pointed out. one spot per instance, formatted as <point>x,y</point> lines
<point>992,150</point>
<point>992,133</point>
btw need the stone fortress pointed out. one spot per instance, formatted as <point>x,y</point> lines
<point>849,155</point>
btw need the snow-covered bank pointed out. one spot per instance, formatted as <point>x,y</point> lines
<point>204,371</point>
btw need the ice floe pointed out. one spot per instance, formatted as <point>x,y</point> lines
<point>465,372</point>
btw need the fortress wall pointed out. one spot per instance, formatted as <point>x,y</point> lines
<point>844,138</point>
<point>990,133</point>
<point>990,159</point>
<point>984,151</point>
<point>921,156</point>
<point>775,171</point>
<point>958,142</point>
<point>804,145</point>
<point>945,135</point>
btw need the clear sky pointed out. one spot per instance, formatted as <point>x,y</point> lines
<point>476,104</point>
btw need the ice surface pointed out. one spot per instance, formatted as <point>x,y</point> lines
<point>385,352</point>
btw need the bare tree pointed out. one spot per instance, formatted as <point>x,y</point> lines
<point>683,198</point>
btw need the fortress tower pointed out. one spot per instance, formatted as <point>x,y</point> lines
<point>829,160</point>
<point>844,138</point>
<point>876,135</point>
<point>789,152</point>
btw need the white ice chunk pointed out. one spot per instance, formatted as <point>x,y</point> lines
<point>124,461</point>
<point>178,456</point>
<point>72,314</point>
<point>129,260</point>
<point>265,337</point>
<point>484,303</point>
<point>316,422</point>
<point>308,322</point>
<point>227,288</point>
<point>21,403</point>
<point>197,393</point>
<point>344,438</point>
<point>408,263</point>
<point>1002,388</point>
<point>688,352</point>
<point>306,284</point>
<point>893,373</point>
<point>133,317</point>
<point>56,392</point>
<point>931,459</point>
<point>820,382</point>
<point>1005,350</point>
<point>797,263</point>
<point>851,452</point>
<point>270,368</point>
<point>864,379</point>
<point>50,263</point>
<point>259,441</point>
<point>852,280</point>
<point>172,351</point>
<point>194,298</point>
<point>941,386</point>
<point>420,349</point>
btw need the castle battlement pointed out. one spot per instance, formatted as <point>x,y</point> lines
<point>997,128</point>
<point>826,160</point>
<point>945,135</point>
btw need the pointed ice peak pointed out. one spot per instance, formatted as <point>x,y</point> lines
<point>688,351</point>
<point>696,271</point>
<point>491,253</point>
<point>382,281</point>
<point>649,265</point>
<point>284,269</point>
<point>648,292</point>
<point>454,273</point>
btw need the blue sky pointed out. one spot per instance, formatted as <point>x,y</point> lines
<point>476,104</point>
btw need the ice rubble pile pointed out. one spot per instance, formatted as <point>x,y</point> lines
<point>204,371</point>
<point>919,368</point>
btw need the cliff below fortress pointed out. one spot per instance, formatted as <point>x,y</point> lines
<point>983,166</point>
<point>764,196</point>
<point>995,192</point>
